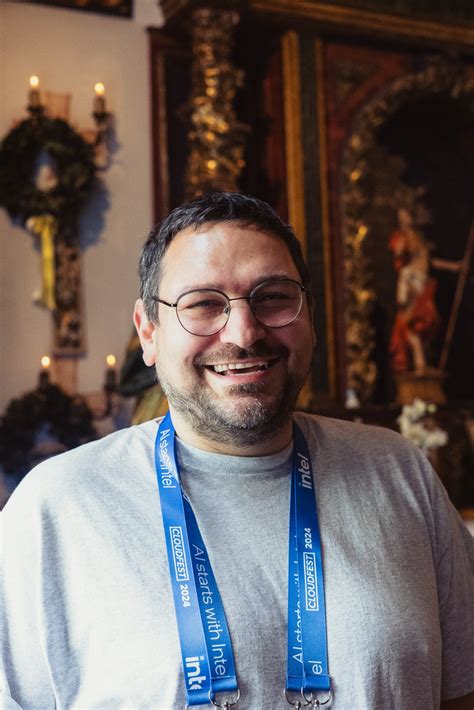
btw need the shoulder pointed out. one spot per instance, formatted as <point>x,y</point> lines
<point>93,467</point>
<point>350,438</point>
<point>374,466</point>
<point>369,460</point>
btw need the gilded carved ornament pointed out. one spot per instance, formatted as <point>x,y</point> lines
<point>216,137</point>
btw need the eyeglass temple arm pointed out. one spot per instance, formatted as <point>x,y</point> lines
<point>165,303</point>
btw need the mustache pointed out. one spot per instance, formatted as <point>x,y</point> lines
<point>232,353</point>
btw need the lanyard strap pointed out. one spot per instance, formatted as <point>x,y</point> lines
<point>307,666</point>
<point>206,647</point>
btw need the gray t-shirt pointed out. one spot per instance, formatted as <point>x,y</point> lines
<point>91,621</point>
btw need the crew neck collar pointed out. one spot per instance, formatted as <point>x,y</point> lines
<point>200,460</point>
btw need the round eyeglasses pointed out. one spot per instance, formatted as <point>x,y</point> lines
<point>274,304</point>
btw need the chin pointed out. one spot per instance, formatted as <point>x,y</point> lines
<point>247,416</point>
<point>248,413</point>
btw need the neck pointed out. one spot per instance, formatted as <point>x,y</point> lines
<point>269,445</point>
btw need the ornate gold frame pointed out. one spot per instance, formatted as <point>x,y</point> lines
<point>295,187</point>
<point>293,138</point>
<point>323,179</point>
<point>359,21</point>
<point>294,157</point>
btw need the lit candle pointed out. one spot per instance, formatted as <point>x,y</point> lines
<point>44,372</point>
<point>99,100</point>
<point>110,374</point>
<point>34,95</point>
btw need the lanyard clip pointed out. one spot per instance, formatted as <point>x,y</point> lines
<point>298,703</point>
<point>315,701</point>
<point>226,704</point>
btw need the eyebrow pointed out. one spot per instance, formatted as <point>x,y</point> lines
<point>217,286</point>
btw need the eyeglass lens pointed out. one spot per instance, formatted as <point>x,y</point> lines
<point>274,304</point>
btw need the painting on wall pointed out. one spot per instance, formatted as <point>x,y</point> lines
<point>118,8</point>
<point>401,159</point>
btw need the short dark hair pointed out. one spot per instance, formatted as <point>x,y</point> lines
<point>212,207</point>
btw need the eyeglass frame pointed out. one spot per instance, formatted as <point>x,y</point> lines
<point>302,287</point>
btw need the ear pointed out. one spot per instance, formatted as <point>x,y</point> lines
<point>145,329</point>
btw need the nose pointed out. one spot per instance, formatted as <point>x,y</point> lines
<point>242,328</point>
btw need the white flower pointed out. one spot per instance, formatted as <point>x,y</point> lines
<point>412,426</point>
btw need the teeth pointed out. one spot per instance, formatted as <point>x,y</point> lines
<point>239,366</point>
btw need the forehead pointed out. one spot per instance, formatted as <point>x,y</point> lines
<point>224,255</point>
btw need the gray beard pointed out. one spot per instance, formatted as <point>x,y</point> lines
<point>253,421</point>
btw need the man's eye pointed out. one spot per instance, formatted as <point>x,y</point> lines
<point>203,308</point>
<point>271,297</point>
<point>206,304</point>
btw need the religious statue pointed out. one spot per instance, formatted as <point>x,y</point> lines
<point>417,320</point>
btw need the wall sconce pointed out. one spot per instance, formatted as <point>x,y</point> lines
<point>103,122</point>
<point>99,137</point>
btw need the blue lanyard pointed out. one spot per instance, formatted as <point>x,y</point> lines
<point>206,647</point>
<point>307,665</point>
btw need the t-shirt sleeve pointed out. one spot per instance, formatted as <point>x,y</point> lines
<point>24,674</point>
<point>454,558</point>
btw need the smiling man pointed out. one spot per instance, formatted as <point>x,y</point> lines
<point>235,552</point>
<point>230,366</point>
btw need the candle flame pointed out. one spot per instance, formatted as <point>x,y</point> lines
<point>110,360</point>
<point>99,89</point>
<point>34,82</point>
<point>45,362</point>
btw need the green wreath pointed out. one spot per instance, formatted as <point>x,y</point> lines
<point>74,167</point>
<point>47,412</point>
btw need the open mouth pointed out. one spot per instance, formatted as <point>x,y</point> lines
<point>241,368</point>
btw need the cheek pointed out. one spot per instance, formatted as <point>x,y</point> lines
<point>177,350</point>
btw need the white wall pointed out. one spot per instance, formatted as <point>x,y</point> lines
<point>70,51</point>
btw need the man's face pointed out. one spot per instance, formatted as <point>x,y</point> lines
<point>242,406</point>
